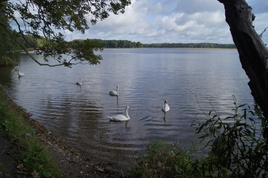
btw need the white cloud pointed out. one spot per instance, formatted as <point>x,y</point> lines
<point>157,21</point>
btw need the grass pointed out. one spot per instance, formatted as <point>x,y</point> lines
<point>33,159</point>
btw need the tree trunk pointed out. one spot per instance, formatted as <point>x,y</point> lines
<point>252,51</point>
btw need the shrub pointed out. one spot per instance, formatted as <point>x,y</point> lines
<point>238,144</point>
<point>163,160</point>
<point>6,61</point>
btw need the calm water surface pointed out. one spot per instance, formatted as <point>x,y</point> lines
<point>191,80</point>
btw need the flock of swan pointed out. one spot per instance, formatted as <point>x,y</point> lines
<point>125,117</point>
<point>118,117</point>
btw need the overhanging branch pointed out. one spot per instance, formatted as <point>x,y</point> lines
<point>35,60</point>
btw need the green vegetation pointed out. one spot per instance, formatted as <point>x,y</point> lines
<point>130,44</point>
<point>10,39</point>
<point>32,156</point>
<point>62,16</point>
<point>6,61</point>
<point>164,160</point>
<point>120,44</point>
<point>238,147</point>
<point>188,45</point>
<point>45,20</point>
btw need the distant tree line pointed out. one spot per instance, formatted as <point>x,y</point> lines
<point>20,42</point>
<point>34,38</point>
<point>130,44</point>
<point>188,45</point>
<point>119,43</point>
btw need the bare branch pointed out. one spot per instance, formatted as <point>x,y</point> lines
<point>263,32</point>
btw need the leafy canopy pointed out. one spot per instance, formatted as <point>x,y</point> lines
<point>46,19</point>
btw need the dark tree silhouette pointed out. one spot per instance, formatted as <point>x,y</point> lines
<point>45,20</point>
<point>252,51</point>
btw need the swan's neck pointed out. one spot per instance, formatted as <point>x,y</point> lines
<point>126,113</point>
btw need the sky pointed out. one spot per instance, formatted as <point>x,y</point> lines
<point>176,21</point>
<point>171,21</point>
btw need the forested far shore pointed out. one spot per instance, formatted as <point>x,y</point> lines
<point>130,44</point>
<point>18,43</point>
<point>188,45</point>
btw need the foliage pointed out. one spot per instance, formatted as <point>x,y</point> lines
<point>163,160</point>
<point>33,158</point>
<point>120,44</point>
<point>5,42</point>
<point>6,61</point>
<point>46,19</point>
<point>239,145</point>
<point>81,50</point>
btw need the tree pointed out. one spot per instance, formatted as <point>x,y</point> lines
<point>5,43</point>
<point>252,51</point>
<point>45,19</point>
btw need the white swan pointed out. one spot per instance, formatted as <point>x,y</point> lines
<point>165,107</point>
<point>20,74</point>
<point>80,82</point>
<point>121,117</point>
<point>115,92</point>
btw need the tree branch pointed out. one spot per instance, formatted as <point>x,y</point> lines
<point>263,32</point>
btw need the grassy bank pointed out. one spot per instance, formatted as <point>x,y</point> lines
<point>31,155</point>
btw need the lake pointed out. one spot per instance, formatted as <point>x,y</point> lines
<point>193,81</point>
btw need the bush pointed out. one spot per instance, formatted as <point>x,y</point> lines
<point>6,61</point>
<point>238,144</point>
<point>164,160</point>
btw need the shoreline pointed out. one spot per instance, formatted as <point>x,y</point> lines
<point>67,159</point>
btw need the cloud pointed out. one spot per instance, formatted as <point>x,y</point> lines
<point>156,21</point>
<point>181,21</point>
<point>193,6</point>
